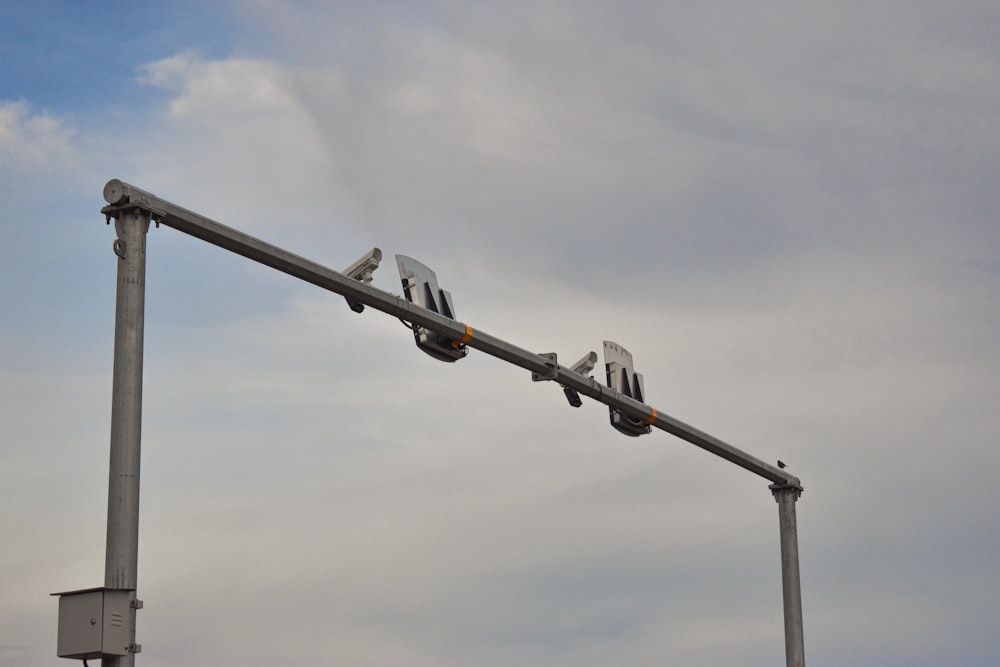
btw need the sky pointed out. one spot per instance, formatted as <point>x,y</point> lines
<point>785,211</point>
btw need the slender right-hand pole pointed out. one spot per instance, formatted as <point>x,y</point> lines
<point>786,495</point>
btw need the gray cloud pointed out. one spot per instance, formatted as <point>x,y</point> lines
<point>784,213</point>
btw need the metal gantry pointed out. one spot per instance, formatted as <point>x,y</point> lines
<point>444,337</point>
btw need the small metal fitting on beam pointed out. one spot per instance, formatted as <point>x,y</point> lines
<point>551,368</point>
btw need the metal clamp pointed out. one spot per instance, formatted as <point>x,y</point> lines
<point>551,368</point>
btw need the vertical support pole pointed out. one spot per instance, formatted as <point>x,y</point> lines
<point>122,553</point>
<point>786,495</point>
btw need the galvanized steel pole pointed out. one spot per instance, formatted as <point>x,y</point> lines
<point>786,495</point>
<point>121,555</point>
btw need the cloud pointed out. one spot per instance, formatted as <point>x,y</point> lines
<point>448,140</point>
<point>208,91</point>
<point>235,122</point>
<point>677,159</point>
<point>786,215</point>
<point>31,142</point>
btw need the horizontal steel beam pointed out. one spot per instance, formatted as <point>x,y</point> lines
<point>122,196</point>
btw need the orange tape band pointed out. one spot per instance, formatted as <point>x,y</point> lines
<point>465,339</point>
<point>652,417</point>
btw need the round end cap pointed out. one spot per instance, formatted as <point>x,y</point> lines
<point>114,192</point>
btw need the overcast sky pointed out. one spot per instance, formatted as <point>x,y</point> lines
<point>787,213</point>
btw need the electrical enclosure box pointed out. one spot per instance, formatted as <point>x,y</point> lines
<point>93,623</point>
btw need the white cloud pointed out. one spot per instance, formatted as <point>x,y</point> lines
<point>209,91</point>
<point>32,142</point>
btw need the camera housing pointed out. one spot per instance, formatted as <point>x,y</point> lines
<point>583,366</point>
<point>362,270</point>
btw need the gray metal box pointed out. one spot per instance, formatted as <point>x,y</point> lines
<point>93,623</point>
